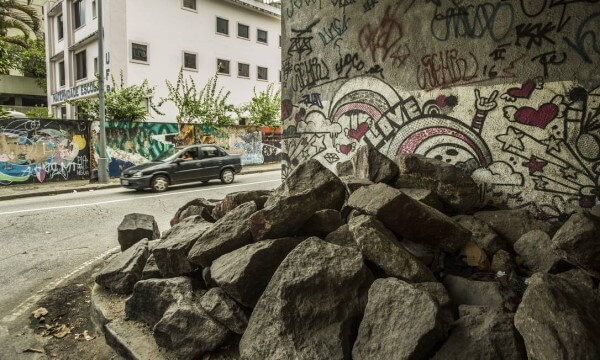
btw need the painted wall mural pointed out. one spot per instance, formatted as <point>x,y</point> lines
<point>130,144</point>
<point>43,150</point>
<point>508,91</point>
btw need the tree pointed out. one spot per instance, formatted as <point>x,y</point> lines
<point>19,17</point>
<point>3,113</point>
<point>30,60</point>
<point>123,103</point>
<point>39,112</point>
<point>265,107</point>
<point>209,106</point>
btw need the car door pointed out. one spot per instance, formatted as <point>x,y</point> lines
<point>188,170</point>
<point>211,161</point>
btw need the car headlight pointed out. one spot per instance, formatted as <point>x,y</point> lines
<point>138,174</point>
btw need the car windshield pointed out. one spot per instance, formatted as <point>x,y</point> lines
<point>168,154</point>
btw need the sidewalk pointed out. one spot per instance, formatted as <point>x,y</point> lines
<point>11,192</point>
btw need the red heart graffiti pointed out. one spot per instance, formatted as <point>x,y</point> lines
<point>359,132</point>
<point>345,149</point>
<point>524,92</point>
<point>540,118</point>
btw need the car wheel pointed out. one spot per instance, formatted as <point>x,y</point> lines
<point>160,183</point>
<point>227,176</point>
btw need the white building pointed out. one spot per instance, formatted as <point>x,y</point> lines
<point>153,39</point>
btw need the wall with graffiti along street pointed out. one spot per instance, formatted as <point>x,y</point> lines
<point>133,143</point>
<point>43,150</point>
<point>507,90</point>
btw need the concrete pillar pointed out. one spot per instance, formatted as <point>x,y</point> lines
<point>507,90</point>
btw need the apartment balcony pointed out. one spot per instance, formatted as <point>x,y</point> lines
<point>269,7</point>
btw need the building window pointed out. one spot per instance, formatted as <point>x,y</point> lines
<point>139,53</point>
<point>222,26</point>
<point>243,70</point>
<point>262,36</point>
<point>94,9</point>
<point>63,112</point>
<point>80,66</point>
<point>243,31</point>
<point>262,73</point>
<point>190,61</point>
<point>60,27</point>
<point>79,13</point>
<point>61,73</point>
<point>189,4</point>
<point>223,66</point>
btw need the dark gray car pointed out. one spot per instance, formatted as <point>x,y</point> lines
<point>183,164</point>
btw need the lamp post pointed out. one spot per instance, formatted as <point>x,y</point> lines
<point>103,176</point>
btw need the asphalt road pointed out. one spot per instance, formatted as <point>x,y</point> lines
<point>45,240</point>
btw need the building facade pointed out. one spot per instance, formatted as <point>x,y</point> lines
<point>153,39</point>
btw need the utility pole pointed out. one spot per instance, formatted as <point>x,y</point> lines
<point>103,176</point>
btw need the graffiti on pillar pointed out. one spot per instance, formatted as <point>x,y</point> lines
<point>43,150</point>
<point>507,91</point>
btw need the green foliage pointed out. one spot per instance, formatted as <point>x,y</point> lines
<point>208,107</point>
<point>39,112</point>
<point>265,107</point>
<point>30,60</point>
<point>122,103</point>
<point>3,112</point>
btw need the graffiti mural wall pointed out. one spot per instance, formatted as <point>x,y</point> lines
<point>43,150</point>
<point>507,90</point>
<point>130,144</point>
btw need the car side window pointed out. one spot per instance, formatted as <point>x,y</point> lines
<point>209,152</point>
<point>189,154</point>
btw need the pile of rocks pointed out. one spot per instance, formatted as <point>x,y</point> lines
<point>382,262</point>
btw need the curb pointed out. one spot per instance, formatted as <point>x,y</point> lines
<point>97,187</point>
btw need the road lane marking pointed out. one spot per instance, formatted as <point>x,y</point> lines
<point>135,198</point>
<point>32,300</point>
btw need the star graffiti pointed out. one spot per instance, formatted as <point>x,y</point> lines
<point>535,165</point>
<point>512,138</point>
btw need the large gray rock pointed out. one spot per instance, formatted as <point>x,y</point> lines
<point>482,234</point>
<point>426,196</point>
<point>122,272</point>
<point>559,319</point>
<point>353,183</point>
<point>151,270</point>
<point>370,164</point>
<point>578,276</point>
<point>322,223</point>
<point>578,242</point>
<point>136,227</point>
<point>535,249</point>
<point>512,224</point>
<point>400,322</point>
<point>342,237</point>
<point>380,246</point>
<point>171,253</point>
<point>457,190</point>
<point>439,294</point>
<point>345,168</point>
<point>309,188</point>
<point>229,233</point>
<point>311,305</point>
<point>189,331</point>
<point>152,297</point>
<point>483,333</point>
<point>409,218</point>
<point>224,309</point>
<point>245,272</point>
<point>197,207</point>
<point>233,200</point>
<point>471,292</point>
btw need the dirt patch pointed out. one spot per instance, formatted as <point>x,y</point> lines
<point>68,327</point>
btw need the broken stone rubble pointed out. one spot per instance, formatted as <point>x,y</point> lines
<point>385,280</point>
